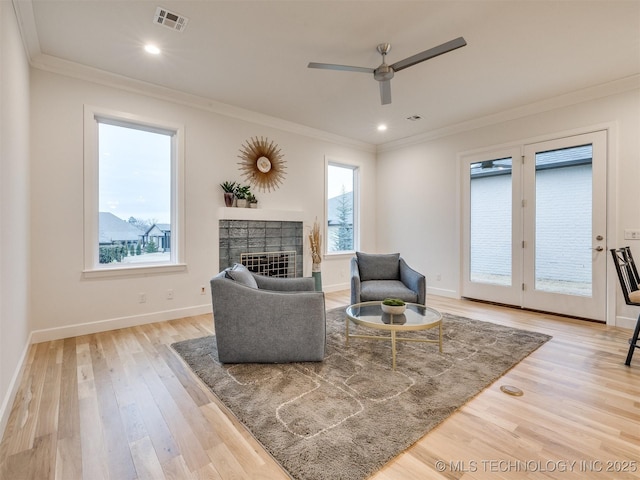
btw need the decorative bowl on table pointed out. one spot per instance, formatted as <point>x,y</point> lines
<point>393,306</point>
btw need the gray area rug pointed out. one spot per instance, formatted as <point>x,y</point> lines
<point>346,417</point>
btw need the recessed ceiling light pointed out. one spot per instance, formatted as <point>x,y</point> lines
<point>382,127</point>
<point>152,49</point>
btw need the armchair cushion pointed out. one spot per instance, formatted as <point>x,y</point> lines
<point>378,266</point>
<point>372,290</point>
<point>242,275</point>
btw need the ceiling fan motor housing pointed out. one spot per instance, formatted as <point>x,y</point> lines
<point>383,73</point>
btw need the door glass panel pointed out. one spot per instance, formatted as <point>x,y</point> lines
<point>563,221</point>
<point>490,222</point>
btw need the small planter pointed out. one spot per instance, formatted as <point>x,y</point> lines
<point>253,204</point>
<point>393,309</point>
<point>393,306</point>
<point>243,194</point>
<point>229,189</point>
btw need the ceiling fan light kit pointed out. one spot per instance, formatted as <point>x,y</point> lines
<point>384,73</point>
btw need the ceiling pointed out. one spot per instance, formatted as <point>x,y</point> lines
<point>254,54</point>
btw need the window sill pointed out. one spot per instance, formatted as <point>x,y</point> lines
<point>143,270</point>
<point>339,255</point>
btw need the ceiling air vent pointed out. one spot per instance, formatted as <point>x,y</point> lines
<point>171,20</point>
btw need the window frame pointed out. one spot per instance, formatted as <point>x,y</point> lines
<point>329,161</point>
<point>93,116</point>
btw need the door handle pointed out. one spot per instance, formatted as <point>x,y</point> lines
<point>598,248</point>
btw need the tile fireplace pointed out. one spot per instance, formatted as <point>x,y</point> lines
<point>268,247</point>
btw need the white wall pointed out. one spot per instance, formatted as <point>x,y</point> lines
<point>422,210</point>
<point>63,300</point>
<point>14,207</point>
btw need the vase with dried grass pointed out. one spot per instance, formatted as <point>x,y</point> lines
<point>315,246</point>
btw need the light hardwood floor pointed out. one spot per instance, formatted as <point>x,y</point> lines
<point>121,405</point>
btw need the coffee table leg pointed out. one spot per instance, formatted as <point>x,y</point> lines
<point>347,331</point>
<point>393,349</point>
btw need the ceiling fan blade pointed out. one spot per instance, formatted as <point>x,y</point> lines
<point>347,68</point>
<point>427,54</point>
<point>385,92</point>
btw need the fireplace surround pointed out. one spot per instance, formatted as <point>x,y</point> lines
<point>238,237</point>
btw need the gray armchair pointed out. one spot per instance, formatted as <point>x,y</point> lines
<point>266,319</point>
<point>378,276</point>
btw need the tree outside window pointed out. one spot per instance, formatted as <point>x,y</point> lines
<point>341,218</point>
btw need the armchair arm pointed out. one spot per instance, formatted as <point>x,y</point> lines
<point>355,281</point>
<point>298,284</point>
<point>413,280</point>
<point>253,325</point>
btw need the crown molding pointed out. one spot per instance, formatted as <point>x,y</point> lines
<point>573,98</point>
<point>28,31</point>
<point>27,26</point>
<point>38,60</point>
<point>75,70</point>
<point>94,75</point>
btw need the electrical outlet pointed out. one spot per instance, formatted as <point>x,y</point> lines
<point>631,234</point>
<point>142,298</point>
<point>438,277</point>
<point>203,290</point>
<point>170,294</point>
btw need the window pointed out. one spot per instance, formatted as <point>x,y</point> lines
<point>342,208</point>
<point>133,178</point>
<point>490,225</point>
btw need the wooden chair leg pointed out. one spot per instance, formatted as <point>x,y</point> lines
<point>633,343</point>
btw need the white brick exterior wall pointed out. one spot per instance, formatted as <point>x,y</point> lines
<point>563,217</point>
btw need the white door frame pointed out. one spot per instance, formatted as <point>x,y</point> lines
<point>593,306</point>
<point>507,294</point>
<point>612,238</point>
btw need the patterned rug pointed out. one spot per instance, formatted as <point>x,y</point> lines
<point>348,416</point>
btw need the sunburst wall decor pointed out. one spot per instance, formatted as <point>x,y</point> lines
<point>262,164</point>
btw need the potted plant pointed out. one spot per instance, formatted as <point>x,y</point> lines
<point>229,189</point>
<point>253,201</point>
<point>394,306</point>
<point>241,193</point>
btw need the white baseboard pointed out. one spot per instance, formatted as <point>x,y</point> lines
<point>7,401</point>
<point>49,334</point>
<point>58,333</point>
<point>442,292</point>
<point>626,322</point>
<point>336,288</point>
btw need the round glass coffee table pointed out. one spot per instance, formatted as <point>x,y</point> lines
<point>415,317</point>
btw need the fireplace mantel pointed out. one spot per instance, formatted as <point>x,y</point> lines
<point>235,213</point>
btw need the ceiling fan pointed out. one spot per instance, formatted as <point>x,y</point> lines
<point>384,73</point>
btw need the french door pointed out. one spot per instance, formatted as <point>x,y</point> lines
<point>534,225</point>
